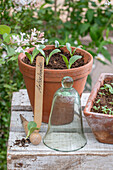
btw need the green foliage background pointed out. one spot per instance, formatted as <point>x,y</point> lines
<point>82,18</point>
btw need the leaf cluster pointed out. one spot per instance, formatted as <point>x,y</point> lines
<point>32,126</point>
<point>107,110</point>
<point>108,87</point>
<point>73,57</point>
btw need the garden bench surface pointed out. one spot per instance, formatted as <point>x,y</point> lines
<point>94,155</point>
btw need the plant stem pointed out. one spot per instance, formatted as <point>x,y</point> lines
<point>55,6</point>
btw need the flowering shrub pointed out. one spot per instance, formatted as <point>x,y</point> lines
<point>19,4</point>
<point>16,43</point>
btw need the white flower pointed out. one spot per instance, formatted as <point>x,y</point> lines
<point>75,42</point>
<point>4,54</point>
<point>105,47</point>
<point>15,39</point>
<point>19,4</point>
<point>2,45</point>
<point>27,48</point>
<point>37,46</point>
<point>22,34</point>
<point>107,2</point>
<point>42,41</point>
<point>19,49</point>
<point>18,8</point>
<point>56,44</point>
<point>25,41</point>
<point>33,43</point>
<point>34,39</point>
<point>46,40</point>
<point>28,36</point>
<point>100,57</point>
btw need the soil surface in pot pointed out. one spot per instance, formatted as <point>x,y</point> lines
<point>104,100</point>
<point>56,61</point>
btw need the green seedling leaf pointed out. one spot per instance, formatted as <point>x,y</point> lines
<point>74,51</point>
<point>35,52</point>
<point>65,60</point>
<point>111,90</point>
<point>31,124</point>
<point>42,52</point>
<point>4,29</point>
<point>102,88</point>
<point>31,131</point>
<point>80,46</point>
<point>98,101</point>
<point>96,108</point>
<point>73,59</point>
<point>47,60</point>
<point>41,46</point>
<point>108,86</point>
<point>54,52</point>
<point>29,57</point>
<point>31,127</point>
<point>68,46</point>
<point>101,94</point>
<point>111,103</point>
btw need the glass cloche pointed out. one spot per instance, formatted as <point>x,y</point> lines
<point>65,128</point>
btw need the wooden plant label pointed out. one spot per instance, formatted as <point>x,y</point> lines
<point>39,79</point>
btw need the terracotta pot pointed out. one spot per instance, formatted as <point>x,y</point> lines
<point>63,110</point>
<point>101,124</point>
<point>52,78</point>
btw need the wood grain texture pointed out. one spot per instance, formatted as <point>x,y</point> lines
<point>94,156</point>
<point>39,83</point>
<point>20,100</point>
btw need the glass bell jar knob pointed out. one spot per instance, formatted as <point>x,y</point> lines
<point>65,128</point>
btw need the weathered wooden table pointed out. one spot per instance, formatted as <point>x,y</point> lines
<point>94,156</point>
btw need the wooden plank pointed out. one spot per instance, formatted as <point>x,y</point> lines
<point>16,126</point>
<point>20,100</point>
<point>70,162</point>
<point>92,147</point>
<point>93,156</point>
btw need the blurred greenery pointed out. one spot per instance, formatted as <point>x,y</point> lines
<point>83,17</point>
<point>10,80</point>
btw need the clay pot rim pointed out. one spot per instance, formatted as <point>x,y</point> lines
<point>22,55</point>
<point>91,97</point>
<point>97,114</point>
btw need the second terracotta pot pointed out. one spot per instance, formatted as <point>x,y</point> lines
<point>101,124</point>
<point>52,79</point>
